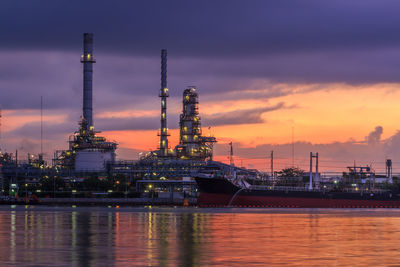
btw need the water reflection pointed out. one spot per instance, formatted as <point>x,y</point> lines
<point>45,236</point>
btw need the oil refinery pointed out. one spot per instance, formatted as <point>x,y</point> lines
<point>89,164</point>
<point>90,156</point>
<point>88,152</point>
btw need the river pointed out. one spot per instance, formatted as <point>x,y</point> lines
<point>150,236</point>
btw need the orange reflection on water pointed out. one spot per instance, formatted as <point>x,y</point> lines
<point>304,239</point>
<point>198,237</point>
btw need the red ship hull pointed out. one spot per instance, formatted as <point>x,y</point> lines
<point>221,193</point>
<point>220,200</point>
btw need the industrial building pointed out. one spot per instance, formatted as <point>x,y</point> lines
<point>192,145</point>
<point>90,155</point>
<point>188,157</point>
<point>163,133</point>
<point>88,152</point>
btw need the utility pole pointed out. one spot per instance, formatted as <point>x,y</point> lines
<point>231,155</point>
<point>272,163</point>
<point>293,147</point>
<point>310,187</point>
<point>41,126</point>
<point>16,167</point>
<point>54,186</point>
<point>316,169</point>
<point>389,170</point>
<point>126,187</point>
<point>0,126</point>
<point>232,174</point>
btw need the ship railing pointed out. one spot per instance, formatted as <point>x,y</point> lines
<point>281,188</point>
<point>292,188</point>
<point>365,191</point>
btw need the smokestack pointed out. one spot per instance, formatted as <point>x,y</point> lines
<point>163,69</point>
<point>88,59</point>
<point>164,95</point>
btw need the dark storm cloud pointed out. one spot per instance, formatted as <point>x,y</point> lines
<point>220,46</point>
<point>127,82</point>
<point>55,130</point>
<point>217,28</point>
<point>25,76</point>
<point>51,130</point>
<point>153,122</point>
<point>134,123</point>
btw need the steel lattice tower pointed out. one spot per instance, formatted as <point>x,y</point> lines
<point>163,94</point>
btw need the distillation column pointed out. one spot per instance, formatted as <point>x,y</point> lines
<point>190,128</point>
<point>164,94</point>
<point>87,59</point>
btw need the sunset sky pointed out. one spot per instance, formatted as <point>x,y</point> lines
<point>326,71</point>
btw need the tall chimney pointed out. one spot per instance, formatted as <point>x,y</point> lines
<point>88,59</point>
<point>164,94</point>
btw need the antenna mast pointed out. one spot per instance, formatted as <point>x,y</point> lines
<point>0,124</point>
<point>272,163</point>
<point>41,125</point>
<point>231,155</point>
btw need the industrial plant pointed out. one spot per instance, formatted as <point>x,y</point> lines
<point>89,164</point>
<point>88,152</point>
<point>90,157</point>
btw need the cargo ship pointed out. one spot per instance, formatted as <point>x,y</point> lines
<point>224,192</point>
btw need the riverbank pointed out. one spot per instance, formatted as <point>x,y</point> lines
<point>108,201</point>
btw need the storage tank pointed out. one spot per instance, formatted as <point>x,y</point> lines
<point>93,160</point>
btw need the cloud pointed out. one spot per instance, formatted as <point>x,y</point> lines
<point>334,157</point>
<point>241,50</point>
<point>51,130</point>
<point>392,145</point>
<point>218,48</point>
<point>27,145</point>
<point>374,137</point>
<point>134,123</point>
<point>124,153</point>
<point>246,116</point>
<point>240,28</point>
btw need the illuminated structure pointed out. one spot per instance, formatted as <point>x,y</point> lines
<point>163,95</point>
<point>192,145</point>
<point>87,59</point>
<point>87,152</point>
<point>188,157</point>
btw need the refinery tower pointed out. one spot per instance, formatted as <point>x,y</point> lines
<point>164,149</point>
<point>192,144</point>
<point>87,151</point>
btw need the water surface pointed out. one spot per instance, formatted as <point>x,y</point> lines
<point>101,236</point>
